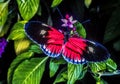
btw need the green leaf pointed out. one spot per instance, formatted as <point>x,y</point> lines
<point>3,13</point>
<point>116,45</point>
<point>15,64</point>
<point>28,8</point>
<point>80,29</point>
<point>97,67</point>
<point>84,70</point>
<point>111,65</point>
<point>56,3</point>
<point>87,3</point>
<point>99,80</point>
<point>113,26</point>
<point>35,48</point>
<point>2,1</point>
<point>2,81</point>
<point>106,68</point>
<point>53,68</point>
<point>5,29</point>
<point>39,12</point>
<point>17,31</point>
<point>30,71</point>
<point>61,77</point>
<point>59,61</point>
<point>54,65</point>
<point>21,45</point>
<point>74,71</point>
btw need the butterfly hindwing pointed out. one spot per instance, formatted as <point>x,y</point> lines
<point>95,52</point>
<point>73,50</point>
<point>49,39</point>
<point>78,51</point>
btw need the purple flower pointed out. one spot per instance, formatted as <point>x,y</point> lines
<point>3,44</point>
<point>68,21</point>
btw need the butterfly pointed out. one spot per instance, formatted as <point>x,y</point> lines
<point>73,48</point>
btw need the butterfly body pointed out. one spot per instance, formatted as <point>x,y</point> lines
<point>73,48</point>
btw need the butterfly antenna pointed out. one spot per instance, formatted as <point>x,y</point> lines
<point>86,21</point>
<point>59,12</point>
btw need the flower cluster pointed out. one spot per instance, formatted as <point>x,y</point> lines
<point>68,21</point>
<point>3,44</point>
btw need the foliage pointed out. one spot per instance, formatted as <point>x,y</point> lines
<point>30,64</point>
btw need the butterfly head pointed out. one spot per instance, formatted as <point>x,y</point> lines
<point>68,23</point>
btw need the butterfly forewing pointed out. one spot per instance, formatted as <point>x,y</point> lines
<point>95,52</point>
<point>49,39</point>
<point>36,32</point>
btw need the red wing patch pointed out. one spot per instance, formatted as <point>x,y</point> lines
<point>73,50</point>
